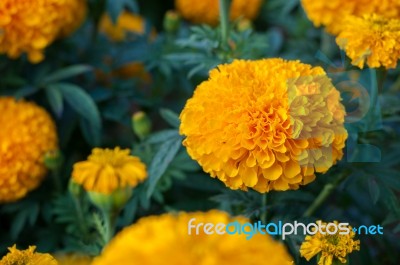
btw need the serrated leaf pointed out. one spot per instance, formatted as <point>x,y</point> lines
<point>161,161</point>
<point>55,99</point>
<point>170,117</point>
<point>65,73</point>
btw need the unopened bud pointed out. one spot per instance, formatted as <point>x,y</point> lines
<point>141,124</point>
<point>172,21</point>
<point>53,159</point>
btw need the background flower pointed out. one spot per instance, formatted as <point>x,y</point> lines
<point>330,247</point>
<point>28,256</point>
<point>330,13</point>
<point>208,11</point>
<point>372,39</point>
<point>267,124</point>
<point>30,26</point>
<point>27,134</point>
<point>157,239</point>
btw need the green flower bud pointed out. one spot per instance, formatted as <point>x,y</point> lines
<point>141,124</point>
<point>172,21</point>
<point>111,202</point>
<point>53,159</point>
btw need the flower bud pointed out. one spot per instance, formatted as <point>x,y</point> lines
<point>141,124</point>
<point>53,159</point>
<point>111,202</point>
<point>172,21</point>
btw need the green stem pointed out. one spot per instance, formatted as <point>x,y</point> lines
<point>263,215</point>
<point>381,76</point>
<point>109,222</point>
<point>224,6</point>
<point>80,216</point>
<point>324,194</point>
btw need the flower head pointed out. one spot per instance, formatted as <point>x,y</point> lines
<point>371,39</point>
<point>27,134</point>
<point>108,170</point>
<point>331,246</point>
<point>207,11</point>
<point>156,239</point>
<point>30,26</point>
<point>266,124</point>
<point>27,257</point>
<point>328,13</point>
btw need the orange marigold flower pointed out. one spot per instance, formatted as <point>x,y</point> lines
<point>267,124</point>
<point>207,11</point>
<point>30,26</point>
<point>108,170</point>
<point>371,39</point>
<point>333,246</point>
<point>27,134</point>
<point>156,239</point>
<point>28,256</point>
<point>328,13</point>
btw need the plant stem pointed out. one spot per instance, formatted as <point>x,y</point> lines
<point>224,7</point>
<point>109,218</point>
<point>263,215</point>
<point>324,194</point>
<point>381,76</point>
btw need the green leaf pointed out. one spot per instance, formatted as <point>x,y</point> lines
<point>170,117</point>
<point>66,72</point>
<point>25,91</point>
<point>161,161</point>
<point>374,190</point>
<point>80,101</point>
<point>55,99</point>
<point>162,136</point>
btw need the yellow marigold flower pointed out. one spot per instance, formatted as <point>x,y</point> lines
<point>30,26</point>
<point>326,12</point>
<point>331,247</point>
<point>108,170</point>
<point>207,11</point>
<point>156,239</point>
<point>266,124</point>
<point>371,39</point>
<point>27,257</point>
<point>27,134</point>
<point>73,259</point>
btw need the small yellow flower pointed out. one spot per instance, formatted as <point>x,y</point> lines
<point>330,13</point>
<point>156,240</point>
<point>27,134</point>
<point>108,170</point>
<point>207,11</point>
<point>266,124</point>
<point>30,26</point>
<point>330,247</point>
<point>372,39</point>
<point>27,257</point>
<point>73,259</point>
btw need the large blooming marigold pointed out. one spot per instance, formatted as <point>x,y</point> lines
<point>329,12</point>
<point>30,26</point>
<point>27,134</point>
<point>157,239</point>
<point>267,124</point>
<point>371,39</point>
<point>207,11</point>
<point>108,170</point>
<point>331,246</point>
<point>27,257</point>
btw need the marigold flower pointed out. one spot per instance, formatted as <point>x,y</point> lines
<point>208,11</point>
<point>371,39</point>
<point>266,124</point>
<point>127,23</point>
<point>156,239</point>
<point>328,13</point>
<point>73,259</point>
<point>27,257</point>
<point>108,170</point>
<point>27,134</point>
<point>331,247</point>
<point>30,26</point>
